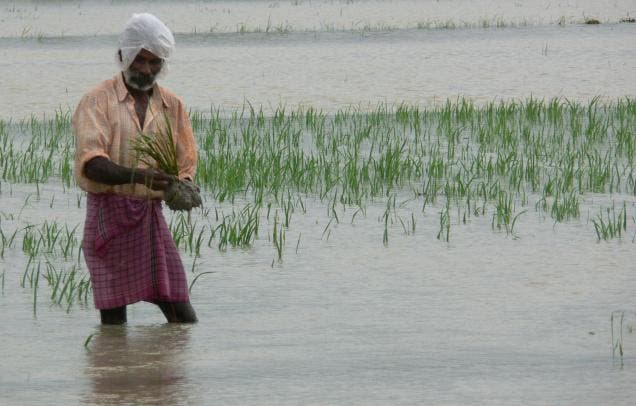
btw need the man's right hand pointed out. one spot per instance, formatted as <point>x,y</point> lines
<point>156,179</point>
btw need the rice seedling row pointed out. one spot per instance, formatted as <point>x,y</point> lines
<point>437,168</point>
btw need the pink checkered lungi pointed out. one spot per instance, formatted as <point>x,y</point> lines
<point>130,252</point>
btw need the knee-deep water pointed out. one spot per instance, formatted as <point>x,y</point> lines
<point>362,241</point>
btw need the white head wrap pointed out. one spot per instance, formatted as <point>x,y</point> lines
<point>145,31</point>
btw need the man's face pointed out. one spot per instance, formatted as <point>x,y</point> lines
<point>142,72</point>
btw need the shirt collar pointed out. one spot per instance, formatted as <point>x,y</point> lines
<point>122,91</point>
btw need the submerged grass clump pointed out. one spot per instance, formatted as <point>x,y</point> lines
<point>622,324</point>
<point>610,224</point>
<point>366,26</point>
<point>68,285</point>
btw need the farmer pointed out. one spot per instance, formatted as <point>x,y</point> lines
<point>127,245</point>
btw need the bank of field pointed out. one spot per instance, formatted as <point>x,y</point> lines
<point>406,169</point>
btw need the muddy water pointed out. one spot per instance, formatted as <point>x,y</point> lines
<point>43,68</point>
<point>486,318</point>
<point>89,18</point>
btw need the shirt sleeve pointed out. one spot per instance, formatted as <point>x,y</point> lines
<point>186,145</point>
<point>92,135</point>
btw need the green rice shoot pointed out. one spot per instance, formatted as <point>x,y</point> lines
<point>159,149</point>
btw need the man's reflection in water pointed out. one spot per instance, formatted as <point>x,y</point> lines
<point>135,365</point>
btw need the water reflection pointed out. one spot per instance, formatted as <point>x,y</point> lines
<point>133,365</point>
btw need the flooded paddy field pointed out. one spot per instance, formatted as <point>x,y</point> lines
<point>393,213</point>
<point>478,243</point>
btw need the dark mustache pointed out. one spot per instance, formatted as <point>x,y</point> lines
<point>141,79</point>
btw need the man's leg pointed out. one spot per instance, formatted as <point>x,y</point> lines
<point>116,315</point>
<point>178,312</point>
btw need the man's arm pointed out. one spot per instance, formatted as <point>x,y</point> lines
<point>103,170</point>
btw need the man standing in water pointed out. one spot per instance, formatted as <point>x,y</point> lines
<point>127,244</point>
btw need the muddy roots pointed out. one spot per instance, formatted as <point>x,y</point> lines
<point>182,195</point>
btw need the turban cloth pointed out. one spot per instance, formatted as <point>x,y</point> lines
<point>145,31</point>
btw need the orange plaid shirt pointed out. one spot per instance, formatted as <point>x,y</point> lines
<point>105,123</point>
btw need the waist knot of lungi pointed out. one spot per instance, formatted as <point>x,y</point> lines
<point>117,215</point>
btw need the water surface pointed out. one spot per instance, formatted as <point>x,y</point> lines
<point>324,68</point>
<point>486,318</point>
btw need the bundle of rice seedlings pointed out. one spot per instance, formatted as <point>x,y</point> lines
<point>159,150</point>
